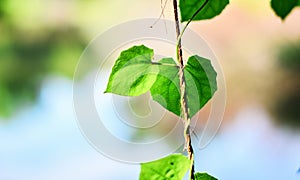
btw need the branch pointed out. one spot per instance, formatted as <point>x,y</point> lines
<point>183,99</point>
<point>179,49</point>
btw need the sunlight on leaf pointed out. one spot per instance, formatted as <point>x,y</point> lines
<point>166,89</point>
<point>172,167</point>
<point>133,73</point>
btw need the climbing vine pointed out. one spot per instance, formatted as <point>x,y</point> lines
<point>182,88</point>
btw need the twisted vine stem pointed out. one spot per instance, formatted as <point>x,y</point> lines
<point>183,97</point>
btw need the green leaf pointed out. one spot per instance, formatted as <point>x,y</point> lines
<point>201,84</point>
<point>166,89</point>
<point>172,167</point>
<point>283,7</point>
<point>189,7</point>
<point>133,73</point>
<point>204,176</point>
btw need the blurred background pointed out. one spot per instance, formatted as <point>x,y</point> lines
<point>41,42</point>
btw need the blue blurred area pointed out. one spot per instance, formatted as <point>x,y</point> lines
<point>252,148</point>
<point>44,142</point>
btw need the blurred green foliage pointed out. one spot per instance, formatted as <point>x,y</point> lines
<point>289,57</point>
<point>287,102</point>
<point>2,5</point>
<point>28,55</point>
<point>287,109</point>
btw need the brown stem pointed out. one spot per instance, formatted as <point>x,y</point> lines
<point>183,99</point>
<point>179,49</point>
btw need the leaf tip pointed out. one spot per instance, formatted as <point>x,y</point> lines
<point>204,176</point>
<point>107,90</point>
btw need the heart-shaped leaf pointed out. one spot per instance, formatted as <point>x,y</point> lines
<point>133,73</point>
<point>201,84</point>
<point>166,89</point>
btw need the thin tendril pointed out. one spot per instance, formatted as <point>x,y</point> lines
<point>189,21</point>
<point>163,7</point>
